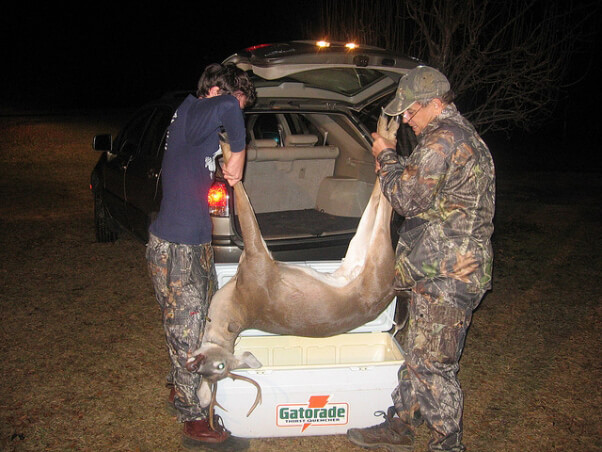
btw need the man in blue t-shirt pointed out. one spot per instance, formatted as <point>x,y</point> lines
<point>179,252</point>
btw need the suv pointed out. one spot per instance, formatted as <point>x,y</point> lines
<point>309,170</point>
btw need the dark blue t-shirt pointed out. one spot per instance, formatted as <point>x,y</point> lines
<point>188,166</point>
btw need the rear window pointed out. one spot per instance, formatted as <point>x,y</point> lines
<point>346,81</point>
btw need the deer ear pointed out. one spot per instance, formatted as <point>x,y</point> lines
<point>245,361</point>
<point>204,394</point>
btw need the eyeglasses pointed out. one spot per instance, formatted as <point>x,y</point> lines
<point>409,114</point>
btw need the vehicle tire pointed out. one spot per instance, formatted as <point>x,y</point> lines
<point>105,230</point>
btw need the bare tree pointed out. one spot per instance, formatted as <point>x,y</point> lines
<point>507,60</point>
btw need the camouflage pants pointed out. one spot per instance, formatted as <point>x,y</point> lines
<point>184,279</point>
<point>440,312</point>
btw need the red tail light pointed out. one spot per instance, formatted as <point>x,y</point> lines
<point>218,199</point>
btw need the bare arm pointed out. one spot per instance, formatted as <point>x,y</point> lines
<point>234,168</point>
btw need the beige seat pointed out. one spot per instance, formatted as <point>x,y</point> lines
<point>264,143</point>
<point>343,196</point>
<point>300,140</point>
<point>289,175</point>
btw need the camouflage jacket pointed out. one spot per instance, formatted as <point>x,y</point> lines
<point>446,191</point>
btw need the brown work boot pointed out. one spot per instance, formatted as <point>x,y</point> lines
<point>199,435</point>
<point>393,434</point>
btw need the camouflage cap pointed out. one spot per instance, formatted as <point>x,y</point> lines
<point>420,84</point>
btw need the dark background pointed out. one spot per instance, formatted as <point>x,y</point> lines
<point>96,54</point>
<point>105,55</point>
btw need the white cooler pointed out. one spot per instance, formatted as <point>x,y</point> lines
<point>312,386</point>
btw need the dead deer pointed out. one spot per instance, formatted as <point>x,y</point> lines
<point>292,300</point>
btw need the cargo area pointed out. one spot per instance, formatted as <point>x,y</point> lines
<point>305,175</point>
<point>303,223</point>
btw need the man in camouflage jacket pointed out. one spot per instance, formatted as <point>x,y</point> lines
<point>446,192</point>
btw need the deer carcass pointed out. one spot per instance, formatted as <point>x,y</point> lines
<point>292,300</point>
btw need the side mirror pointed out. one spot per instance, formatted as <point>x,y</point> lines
<point>103,142</point>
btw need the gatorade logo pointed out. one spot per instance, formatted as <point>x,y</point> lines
<point>318,411</point>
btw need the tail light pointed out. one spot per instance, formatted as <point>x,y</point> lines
<point>219,199</point>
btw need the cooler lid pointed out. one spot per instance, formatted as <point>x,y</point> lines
<point>384,322</point>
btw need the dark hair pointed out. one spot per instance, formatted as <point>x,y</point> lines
<point>229,79</point>
<point>448,97</point>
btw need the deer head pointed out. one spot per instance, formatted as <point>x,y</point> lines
<point>213,362</point>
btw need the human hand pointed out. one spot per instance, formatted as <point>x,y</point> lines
<point>233,168</point>
<point>380,144</point>
<point>232,177</point>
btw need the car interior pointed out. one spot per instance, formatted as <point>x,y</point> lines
<point>318,171</point>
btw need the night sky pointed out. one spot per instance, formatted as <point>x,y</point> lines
<point>100,54</point>
<point>91,54</point>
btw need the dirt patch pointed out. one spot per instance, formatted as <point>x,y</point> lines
<point>83,358</point>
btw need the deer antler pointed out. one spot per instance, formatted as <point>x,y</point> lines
<point>214,401</point>
<point>253,382</point>
<point>212,404</point>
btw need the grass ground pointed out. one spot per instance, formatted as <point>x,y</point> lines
<point>82,354</point>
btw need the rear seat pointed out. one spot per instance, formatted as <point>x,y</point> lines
<point>300,140</point>
<point>288,177</point>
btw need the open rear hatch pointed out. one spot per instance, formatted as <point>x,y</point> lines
<point>309,170</point>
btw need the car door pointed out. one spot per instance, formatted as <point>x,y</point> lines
<point>125,150</point>
<point>142,176</point>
